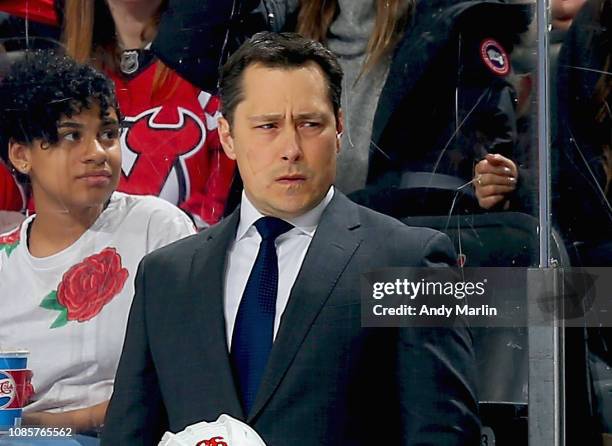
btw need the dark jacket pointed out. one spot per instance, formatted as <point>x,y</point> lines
<point>580,202</point>
<point>443,107</point>
<point>328,380</point>
<point>195,37</point>
<point>581,206</point>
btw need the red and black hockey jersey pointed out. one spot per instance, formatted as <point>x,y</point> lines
<point>170,145</point>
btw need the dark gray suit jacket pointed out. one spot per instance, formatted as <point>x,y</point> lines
<point>328,380</point>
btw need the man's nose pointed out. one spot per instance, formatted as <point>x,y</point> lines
<point>292,149</point>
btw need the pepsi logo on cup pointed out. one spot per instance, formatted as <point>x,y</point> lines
<point>495,57</point>
<point>7,390</point>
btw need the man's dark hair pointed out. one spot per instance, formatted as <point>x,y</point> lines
<point>40,88</point>
<point>274,50</point>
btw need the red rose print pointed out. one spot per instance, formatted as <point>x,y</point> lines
<point>10,241</point>
<point>11,238</point>
<point>91,284</point>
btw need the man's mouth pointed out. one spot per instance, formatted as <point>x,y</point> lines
<point>291,179</point>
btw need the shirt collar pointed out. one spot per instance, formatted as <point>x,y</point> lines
<point>305,223</point>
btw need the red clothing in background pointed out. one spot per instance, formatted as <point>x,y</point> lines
<point>170,144</point>
<point>11,198</point>
<point>42,11</point>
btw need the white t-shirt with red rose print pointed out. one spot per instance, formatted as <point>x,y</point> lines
<point>70,309</point>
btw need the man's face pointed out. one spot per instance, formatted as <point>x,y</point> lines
<point>284,137</point>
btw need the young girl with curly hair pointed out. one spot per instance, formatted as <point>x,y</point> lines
<point>67,273</point>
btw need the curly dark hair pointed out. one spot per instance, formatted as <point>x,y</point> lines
<point>42,87</point>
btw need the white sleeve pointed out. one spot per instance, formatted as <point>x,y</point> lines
<point>167,224</point>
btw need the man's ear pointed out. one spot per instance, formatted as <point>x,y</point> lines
<point>19,155</point>
<point>339,129</point>
<point>225,136</point>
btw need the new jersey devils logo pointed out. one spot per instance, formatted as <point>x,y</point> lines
<point>155,145</point>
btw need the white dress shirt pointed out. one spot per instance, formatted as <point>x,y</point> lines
<point>291,249</point>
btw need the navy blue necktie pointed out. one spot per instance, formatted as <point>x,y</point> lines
<point>254,327</point>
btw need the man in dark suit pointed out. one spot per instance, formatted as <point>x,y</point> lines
<point>266,328</point>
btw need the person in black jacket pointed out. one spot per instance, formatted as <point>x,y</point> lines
<point>581,204</point>
<point>321,378</point>
<point>583,143</point>
<point>445,104</point>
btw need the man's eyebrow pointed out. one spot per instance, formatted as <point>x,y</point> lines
<point>310,115</point>
<point>278,116</point>
<point>266,117</point>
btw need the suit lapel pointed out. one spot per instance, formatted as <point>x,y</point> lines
<point>207,278</point>
<point>336,241</point>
